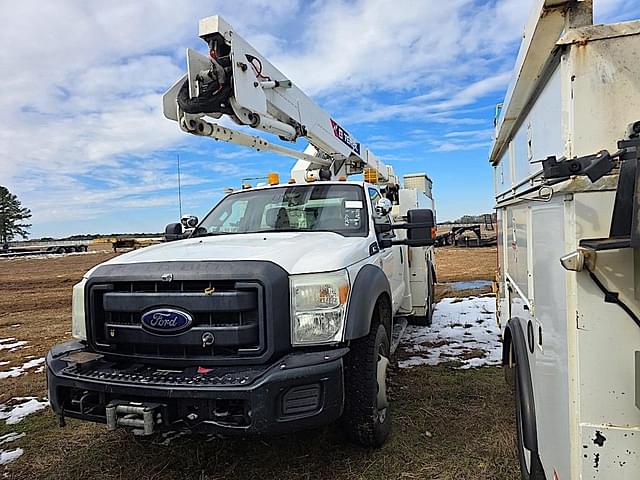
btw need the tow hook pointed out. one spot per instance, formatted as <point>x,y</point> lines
<point>142,417</point>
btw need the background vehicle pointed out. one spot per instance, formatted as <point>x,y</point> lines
<point>281,309</point>
<point>36,248</point>
<point>565,159</point>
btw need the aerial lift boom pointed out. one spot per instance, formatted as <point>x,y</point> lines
<point>237,81</point>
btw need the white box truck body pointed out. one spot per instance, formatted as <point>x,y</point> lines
<point>570,328</point>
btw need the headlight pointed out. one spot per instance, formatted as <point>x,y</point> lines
<point>318,307</point>
<point>78,321</point>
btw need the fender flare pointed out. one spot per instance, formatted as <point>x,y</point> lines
<point>518,341</point>
<point>432,268</point>
<point>370,283</point>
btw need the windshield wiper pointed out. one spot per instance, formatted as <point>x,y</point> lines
<point>211,234</point>
<point>276,230</point>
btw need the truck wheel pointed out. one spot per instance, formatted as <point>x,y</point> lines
<point>530,465</point>
<point>60,250</point>
<point>366,419</point>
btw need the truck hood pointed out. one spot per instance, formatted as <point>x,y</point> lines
<point>296,252</point>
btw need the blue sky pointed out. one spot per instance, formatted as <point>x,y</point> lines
<point>84,144</point>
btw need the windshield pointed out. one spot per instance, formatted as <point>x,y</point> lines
<point>306,208</point>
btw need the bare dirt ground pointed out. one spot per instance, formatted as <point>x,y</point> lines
<point>456,264</point>
<point>448,423</point>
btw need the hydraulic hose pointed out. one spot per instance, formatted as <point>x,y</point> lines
<point>613,297</point>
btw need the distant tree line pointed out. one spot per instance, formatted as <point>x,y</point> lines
<point>466,219</point>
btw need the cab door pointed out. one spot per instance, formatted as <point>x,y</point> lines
<point>391,259</point>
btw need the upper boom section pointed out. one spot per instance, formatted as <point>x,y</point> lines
<point>237,81</point>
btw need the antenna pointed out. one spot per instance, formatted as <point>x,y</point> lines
<point>179,188</point>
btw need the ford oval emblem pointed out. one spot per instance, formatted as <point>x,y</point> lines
<point>166,321</point>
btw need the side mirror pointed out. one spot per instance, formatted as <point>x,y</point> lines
<point>421,228</point>
<point>173,231</point>
<point>383,207</point>
<point>192,222</point>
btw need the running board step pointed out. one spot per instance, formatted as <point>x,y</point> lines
<point>399,326</point>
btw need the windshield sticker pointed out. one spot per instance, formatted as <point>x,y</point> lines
<point>352,204</point>
<point>352,218</point>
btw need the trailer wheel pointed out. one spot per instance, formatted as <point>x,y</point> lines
<point>530,465</point>
<point>60,250</point>
<point>366,419</point>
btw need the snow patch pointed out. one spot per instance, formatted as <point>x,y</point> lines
<point>11,437</point>
<point>7,456</point>
<point>12,346</point>
<point>21,370</point>
<point>464,331</point>
<point>14,412</point>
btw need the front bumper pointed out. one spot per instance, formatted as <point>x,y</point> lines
<point>301,390</point>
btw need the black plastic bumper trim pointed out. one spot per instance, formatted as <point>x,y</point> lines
<point>264,395</point>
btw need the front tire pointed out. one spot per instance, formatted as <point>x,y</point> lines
<point>366,419</point>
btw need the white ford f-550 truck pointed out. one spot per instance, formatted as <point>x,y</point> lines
<point>281,308</point>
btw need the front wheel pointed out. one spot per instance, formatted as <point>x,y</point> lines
<point>366,418</point>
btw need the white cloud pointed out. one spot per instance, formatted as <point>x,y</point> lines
<point>615,10</point>
<point>455,146</point>
<point>83,96</point>
<point>400,44</point>
<point>483,133</point>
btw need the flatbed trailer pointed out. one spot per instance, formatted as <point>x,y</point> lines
<point>18,249</point>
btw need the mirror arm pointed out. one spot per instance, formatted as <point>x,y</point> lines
<point>387,227</point>
<point>383,227</point>
<point>410,226</point>
<point>410,243</point>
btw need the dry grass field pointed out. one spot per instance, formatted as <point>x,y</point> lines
<point>448,423</point>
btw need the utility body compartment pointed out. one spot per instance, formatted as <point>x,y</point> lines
<point>579,345</point>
